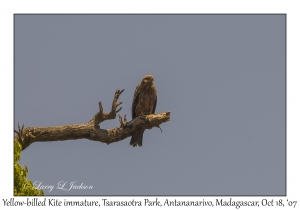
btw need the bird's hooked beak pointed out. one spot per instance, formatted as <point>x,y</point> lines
<point>148,80</point>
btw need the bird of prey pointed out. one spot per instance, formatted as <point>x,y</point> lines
<point>144,103</point>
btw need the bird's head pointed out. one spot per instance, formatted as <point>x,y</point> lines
<point>147,80</point>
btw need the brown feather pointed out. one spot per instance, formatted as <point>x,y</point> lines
<point>143,103</point>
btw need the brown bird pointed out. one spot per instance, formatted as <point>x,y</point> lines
<point>144,103</point>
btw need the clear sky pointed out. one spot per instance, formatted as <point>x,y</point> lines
<point>222,77</point>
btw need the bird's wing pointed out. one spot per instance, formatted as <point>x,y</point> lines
<point>154,106</point>
<point>135,100</point>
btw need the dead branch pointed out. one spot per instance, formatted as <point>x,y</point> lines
<point>91,130</point>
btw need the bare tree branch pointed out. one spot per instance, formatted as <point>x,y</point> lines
<point>91,130</point>
<point>101,116</point>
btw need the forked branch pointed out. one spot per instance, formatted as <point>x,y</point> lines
<point>91,130</point>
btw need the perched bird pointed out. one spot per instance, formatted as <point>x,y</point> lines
<point>144,103</point>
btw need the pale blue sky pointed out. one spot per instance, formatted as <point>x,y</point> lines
<point>221,76</point>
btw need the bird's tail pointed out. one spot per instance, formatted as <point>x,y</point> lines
<point>137,139</point>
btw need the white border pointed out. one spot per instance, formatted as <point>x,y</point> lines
<point>8,8</point>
